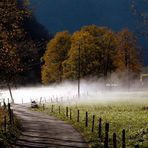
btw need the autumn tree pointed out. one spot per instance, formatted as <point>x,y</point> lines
<point>21,48</point>
<point>105,41</point>
<point>10,32</point>
<point>127,57</point>
<point>91,52</point>
<point>55,54</point>
<point>97,46</point>
<point>82,43</point>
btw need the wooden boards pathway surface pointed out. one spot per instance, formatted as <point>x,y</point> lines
<point>43,131</point>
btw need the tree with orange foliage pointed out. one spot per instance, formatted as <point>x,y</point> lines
<point>55,54</point>
<point>127,57</point>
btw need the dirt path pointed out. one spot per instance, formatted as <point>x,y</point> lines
<point>43,131</point>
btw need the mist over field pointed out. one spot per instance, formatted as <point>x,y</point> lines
<point>90,92</point>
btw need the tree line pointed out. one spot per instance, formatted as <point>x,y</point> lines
<point>92,51</point>
<point>29,54</point>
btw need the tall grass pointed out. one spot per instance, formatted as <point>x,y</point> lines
<point>8,133</point>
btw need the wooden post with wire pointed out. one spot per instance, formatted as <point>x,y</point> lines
<point>86,120</point>
<point>78,116</point>
<point>66,111</point>
<point>93,123</point>
<point>106,142</point>
<point>114,140</point>
<point>123,138</point>
<point>70,114</point>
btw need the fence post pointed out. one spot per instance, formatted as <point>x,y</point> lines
<point>9,112</point>
<point>86,120</point>
<point>43,106</point>
<point>114,140</point>
<point>5,124</point>
<point>8,100</point>
<point>40,100</point>
<point>78,116</point>
<point>100,128</point>
<point>52,108</point>
<point>137,146</point>
<point>59,110</point>
<point>66,111</point>
<point>106,135</point>
<point>123,138</point>
<point>12,116</point>
<point>93,123</point>
<point>70,114</point>
<point>4,105</point>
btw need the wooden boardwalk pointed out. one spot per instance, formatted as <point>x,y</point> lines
<point>42,131</point>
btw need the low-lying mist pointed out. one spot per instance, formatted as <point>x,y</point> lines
<point>91,91</point>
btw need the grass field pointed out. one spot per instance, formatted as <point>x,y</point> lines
<point>131,117</point>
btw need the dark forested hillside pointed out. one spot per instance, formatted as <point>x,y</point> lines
<point>59,15</point>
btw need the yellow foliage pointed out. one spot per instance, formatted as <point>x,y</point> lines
<point>95,51</point>
<point>55,54</point>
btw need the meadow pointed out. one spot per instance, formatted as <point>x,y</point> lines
<point>133,118</point>
<point>122,109</point>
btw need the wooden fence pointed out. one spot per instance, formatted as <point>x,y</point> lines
<point>101,138</point>
<point>8,117</point>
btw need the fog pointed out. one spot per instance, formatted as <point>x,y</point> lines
<point>91,91</point>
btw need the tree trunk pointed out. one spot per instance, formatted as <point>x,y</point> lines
<point>11,96</point>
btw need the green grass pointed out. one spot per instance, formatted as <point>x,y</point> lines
<point>132,118</point>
